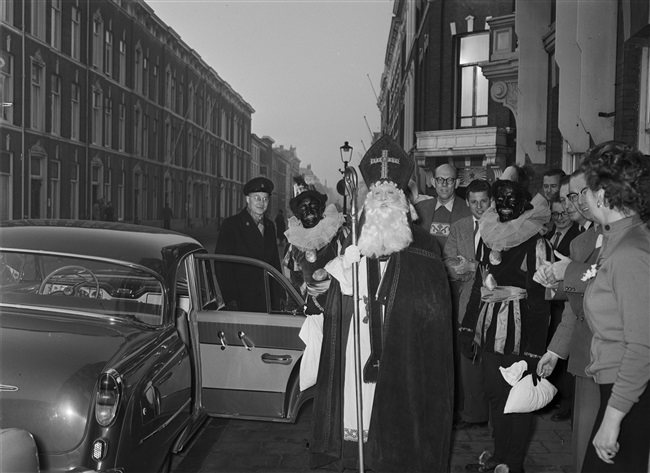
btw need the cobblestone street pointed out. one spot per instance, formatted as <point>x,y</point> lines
<point>250,446</point>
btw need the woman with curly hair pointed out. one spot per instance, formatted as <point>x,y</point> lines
<point>617,307</point>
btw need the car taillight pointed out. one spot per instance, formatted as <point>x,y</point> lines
<point>107,399</point>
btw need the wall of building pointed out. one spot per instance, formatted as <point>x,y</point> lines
<point>190,147</point>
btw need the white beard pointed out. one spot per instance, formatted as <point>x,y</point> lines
<point>386,229</point>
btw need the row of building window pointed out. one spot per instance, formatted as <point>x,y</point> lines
<point>232,128</point>
<point>202,150</point>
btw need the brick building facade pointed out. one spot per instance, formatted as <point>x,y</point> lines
<point>103,102</point>
<point>484,84</point>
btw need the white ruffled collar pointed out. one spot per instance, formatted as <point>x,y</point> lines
<point>317,237</point>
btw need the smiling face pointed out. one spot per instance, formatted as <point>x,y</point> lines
<point>478,203</point>
<point>310,212</point>
<point>560,216</point>
<point>445,182</point>
<point>566,203</point>
<point>592,200</point>
<point>510,201</point>
<point>551,186</point>
<point>257,203</point>
<point>577,191</point>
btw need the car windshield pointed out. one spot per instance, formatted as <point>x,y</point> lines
<point>80,285</point>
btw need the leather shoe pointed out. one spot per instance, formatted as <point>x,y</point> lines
<point>561,415</point>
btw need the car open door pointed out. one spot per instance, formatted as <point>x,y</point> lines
<point>250,359</point>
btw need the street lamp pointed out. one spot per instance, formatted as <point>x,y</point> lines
<point>346,157</point>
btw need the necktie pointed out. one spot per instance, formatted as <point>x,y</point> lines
<point>260,225</point>
<point>475,228</point>
<point>556,240</point>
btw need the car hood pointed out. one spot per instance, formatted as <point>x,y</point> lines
<point>50,367</point>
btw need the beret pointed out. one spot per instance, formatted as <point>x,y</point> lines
<point>293,203</point>
<point>258,184</point>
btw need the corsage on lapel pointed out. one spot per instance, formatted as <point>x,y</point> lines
<point>590,273</point>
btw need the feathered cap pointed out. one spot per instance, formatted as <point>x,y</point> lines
<point>301,190</point>
<point>387,161</point>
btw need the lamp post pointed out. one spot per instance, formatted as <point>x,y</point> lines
<point>346,157</point>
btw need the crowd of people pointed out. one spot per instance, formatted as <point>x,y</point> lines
<point>452,293</point>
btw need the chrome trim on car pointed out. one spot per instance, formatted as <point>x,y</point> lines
<point>166,423</point>
<point>68,311</point>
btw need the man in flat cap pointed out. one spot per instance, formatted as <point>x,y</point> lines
<point>249,233</point>
<point>405,336</point>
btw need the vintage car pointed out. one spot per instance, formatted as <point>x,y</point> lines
<point>116,343</point>
<point>18,451</point>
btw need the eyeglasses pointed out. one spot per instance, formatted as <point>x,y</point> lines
<point>573,196</point>
<point>441,181</point>
<point>557,215</point>
<point>258,199</point>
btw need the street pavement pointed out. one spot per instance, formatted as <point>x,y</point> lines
<point>232,446</point>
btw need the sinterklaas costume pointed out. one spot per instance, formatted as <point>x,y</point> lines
<point>406,349</point>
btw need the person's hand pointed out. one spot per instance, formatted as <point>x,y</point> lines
<point>463,266</point>
<point>352,255</point>
<point>546,365</point>
<point>544,276</point>
<point>605,441</point>
<point>466,343</point>
<point>559,267</point>
<point>532,368</point>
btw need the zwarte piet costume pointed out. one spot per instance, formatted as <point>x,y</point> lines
<point>509,322</point>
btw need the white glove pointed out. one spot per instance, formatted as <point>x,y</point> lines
<point>352,255</point>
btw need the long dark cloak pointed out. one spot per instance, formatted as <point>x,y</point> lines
<point>410,426</point>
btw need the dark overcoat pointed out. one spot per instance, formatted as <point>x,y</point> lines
<point>239,235</point>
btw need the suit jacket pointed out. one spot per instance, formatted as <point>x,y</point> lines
<point>461,242</point>
<point>565,243</point>
<point>240,236</point>
<point>426,209</point>
<point>572,338</point>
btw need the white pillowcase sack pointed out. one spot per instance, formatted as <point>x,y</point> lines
<point>312,334</point>
<point>524,395</point>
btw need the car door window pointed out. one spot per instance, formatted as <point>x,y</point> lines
<point>209,291</point>
<point>282,301</point>
<point>243,286</point>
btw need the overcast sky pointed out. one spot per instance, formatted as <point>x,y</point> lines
<point>307,67</point>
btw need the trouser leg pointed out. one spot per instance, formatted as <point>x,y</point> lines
<point>633,438</point>
<point>586,401</point>
<point>511,431</point>
<point>475,406</point>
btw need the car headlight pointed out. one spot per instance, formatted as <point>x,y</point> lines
<point>107,399</point>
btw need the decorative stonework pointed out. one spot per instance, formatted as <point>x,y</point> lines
<point>37,149</point>
<point>506,93</point>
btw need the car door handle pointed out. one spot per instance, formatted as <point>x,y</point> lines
<point>222,339</point>
<point>247,342</point>
<point>276,359</point>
